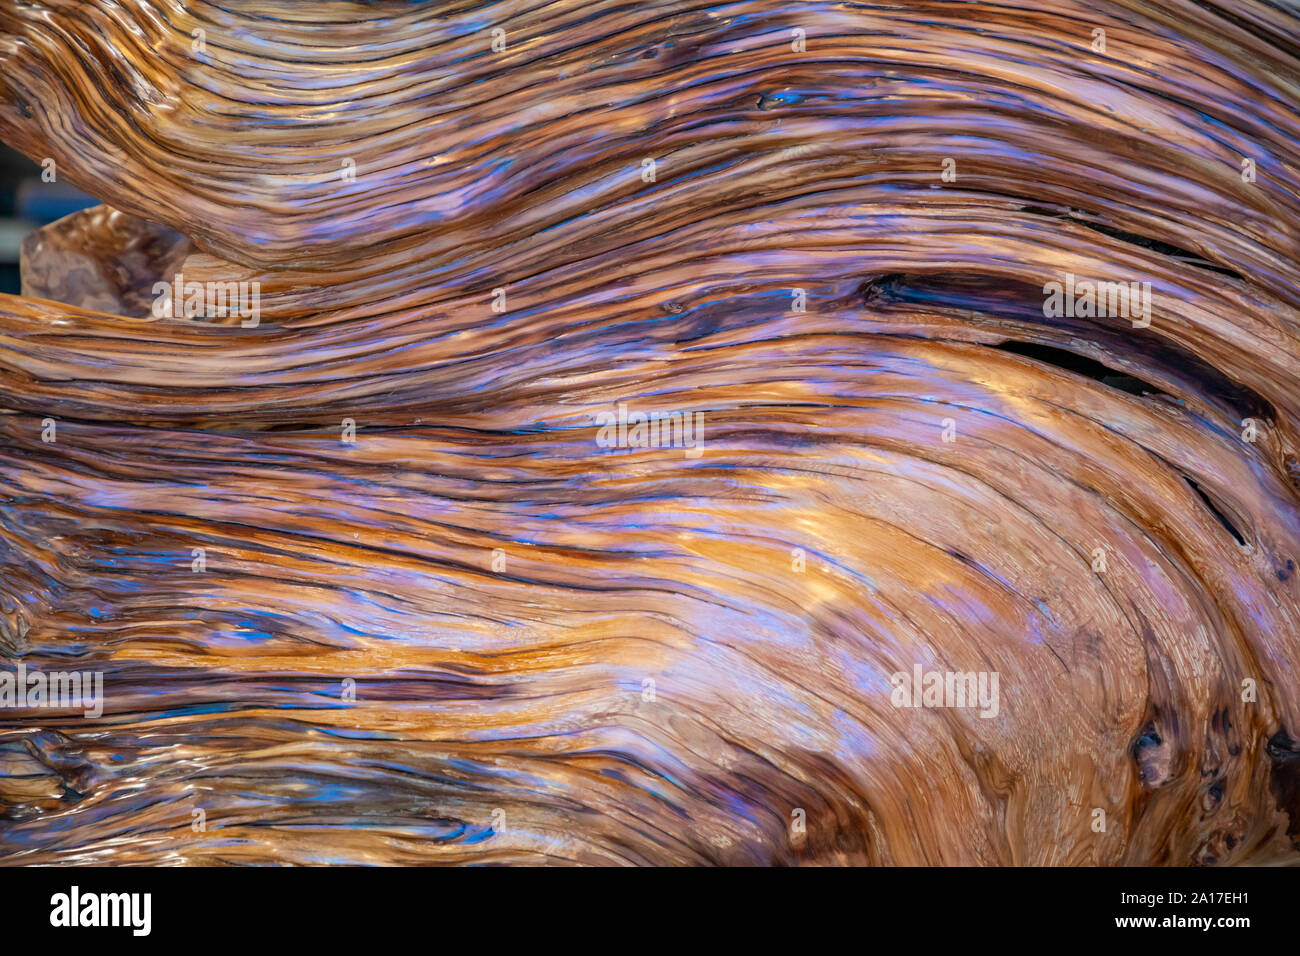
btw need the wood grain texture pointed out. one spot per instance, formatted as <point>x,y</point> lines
<point>646,655</point>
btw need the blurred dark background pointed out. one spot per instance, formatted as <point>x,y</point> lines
<point>25,203</point>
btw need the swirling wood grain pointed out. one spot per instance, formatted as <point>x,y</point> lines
<point>569,654</point>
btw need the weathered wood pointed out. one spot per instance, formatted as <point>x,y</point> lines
<point>660,654</point>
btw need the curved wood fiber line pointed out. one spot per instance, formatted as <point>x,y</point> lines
<point>365,581</point>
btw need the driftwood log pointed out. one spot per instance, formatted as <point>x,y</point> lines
<point>369,575</point>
